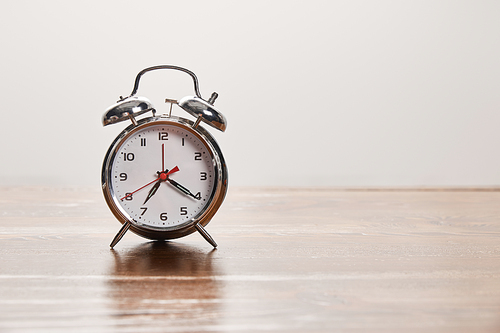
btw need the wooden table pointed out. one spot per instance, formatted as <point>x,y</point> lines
<point>289,260</point>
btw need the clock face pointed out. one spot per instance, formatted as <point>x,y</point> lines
<point>162,175</point>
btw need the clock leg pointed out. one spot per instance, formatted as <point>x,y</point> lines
<point>205,234</point>
<point>120,233</point>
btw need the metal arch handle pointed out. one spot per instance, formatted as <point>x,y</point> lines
<point>177,68</point>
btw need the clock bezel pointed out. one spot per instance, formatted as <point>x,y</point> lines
<point>186,228</point>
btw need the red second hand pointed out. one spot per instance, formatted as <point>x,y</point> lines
<point>175,169</point>
<point>129,194</point>
<point>161,177</point>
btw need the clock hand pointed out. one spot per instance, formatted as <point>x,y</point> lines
<point>175,169</point>
<point>181,188</point>
<point>129,194</point>
<point>163,156</point>
<point>162,177</point>
<point>153,191</point>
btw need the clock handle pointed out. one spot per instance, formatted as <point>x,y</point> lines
<point>177,68</point>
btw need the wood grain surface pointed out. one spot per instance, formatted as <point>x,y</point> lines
<point>289,260</point>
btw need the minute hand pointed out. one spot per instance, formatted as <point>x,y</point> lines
<point>181,188</point>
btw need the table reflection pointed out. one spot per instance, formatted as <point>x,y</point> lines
<point>162,281</point>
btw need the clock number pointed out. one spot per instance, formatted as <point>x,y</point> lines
<point>163,216</point>
<point>203,176</point>
<point>184,210</point>
<point>123,176</point>
<point>143,142</point>
<point>183,142</point>
<point>163,136</point>
<point>198,196</point>
<point>128,156</point>
<point>128,196</point>
<point>197,156</point>
<point>144,209</point>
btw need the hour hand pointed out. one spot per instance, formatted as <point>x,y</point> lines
<point>182,188</point>
<point>152,191</point>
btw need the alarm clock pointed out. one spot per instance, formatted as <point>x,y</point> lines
<point>164,176</point>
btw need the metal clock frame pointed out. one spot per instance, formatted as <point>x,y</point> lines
<point>202,218</point>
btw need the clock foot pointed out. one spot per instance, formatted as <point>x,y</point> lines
<point>120,234</point>
<point>205,234</point>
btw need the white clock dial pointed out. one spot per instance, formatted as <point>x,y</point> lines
<point>163,176</point>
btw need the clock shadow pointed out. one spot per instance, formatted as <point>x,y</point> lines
<point>164,283</point>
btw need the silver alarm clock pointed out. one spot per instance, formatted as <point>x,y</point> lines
<point>164,176</point>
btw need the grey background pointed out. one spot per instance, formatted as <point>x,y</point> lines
<point>316,93</point>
